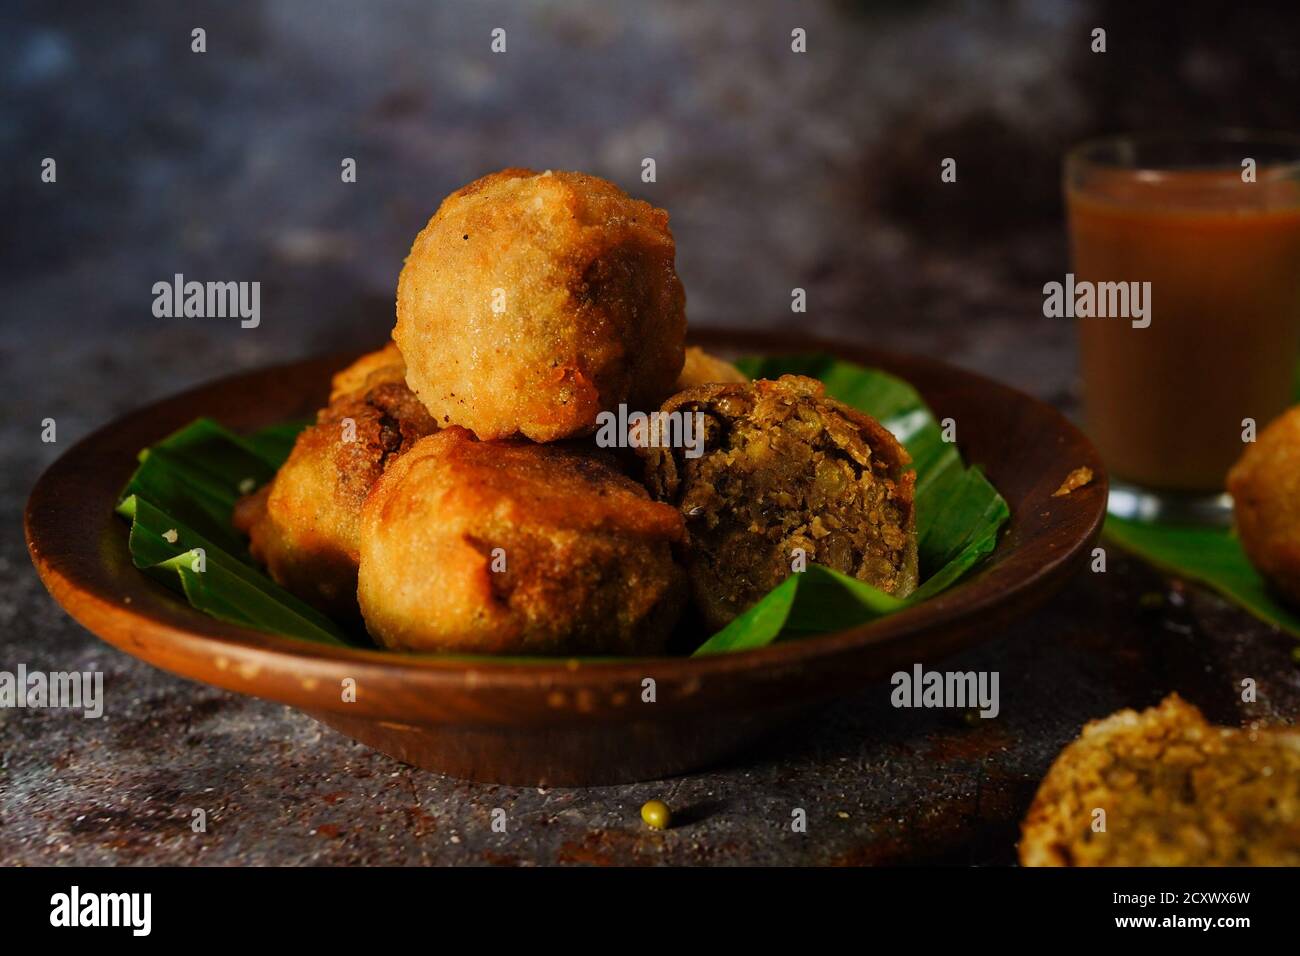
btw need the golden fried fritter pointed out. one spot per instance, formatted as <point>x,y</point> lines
<point>1176,791</point>
<point>515,548</point>
<point>785,467</point>
<point>305,525</point>
<point>701,368</point>
<point>1265,489</point>
<point>530,303</point>
<point>374,368</point>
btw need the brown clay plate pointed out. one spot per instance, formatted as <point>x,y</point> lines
<point>562,724</point>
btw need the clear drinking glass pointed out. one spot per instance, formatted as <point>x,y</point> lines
<point>1212,223</point>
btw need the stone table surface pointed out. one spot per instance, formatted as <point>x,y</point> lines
<point>818,173</point>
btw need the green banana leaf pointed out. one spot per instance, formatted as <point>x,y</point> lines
<point>179,503</point>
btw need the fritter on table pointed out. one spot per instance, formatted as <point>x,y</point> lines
<point>515,548</point>
<point>1176,791</point>
<point>532,302</point>
<point>305,525</point>
<point>1265,489</point>
<point>785,467</point>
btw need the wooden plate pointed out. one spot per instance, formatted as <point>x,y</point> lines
<point>562,724</point>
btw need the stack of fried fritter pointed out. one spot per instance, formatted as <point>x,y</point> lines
<point>453,496</point>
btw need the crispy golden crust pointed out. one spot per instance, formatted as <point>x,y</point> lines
<point>374,368</point>
<point>516,548</point>
<point>701,368</point>
<point>1265,489</point>
<point>305,525</point>
<point>1176,791</point>
<point>785,467</point>
<point>531,303</point>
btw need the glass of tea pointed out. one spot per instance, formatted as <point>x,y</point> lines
<point>1185,287</point>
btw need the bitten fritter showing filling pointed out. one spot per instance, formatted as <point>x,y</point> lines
<point>784,468</point>
<point>1175,791</point>
<point>532,302</point>
<point>509,547</point>
<point>1265,489</point>
<point>305,525</point>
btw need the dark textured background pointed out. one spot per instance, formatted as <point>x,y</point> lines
<point>779,170</point>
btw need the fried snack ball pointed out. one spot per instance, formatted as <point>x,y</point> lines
<point>1177,791</point>
<point>515,548</point>
<point>372,369</point>
<point>1265,489</point>
<point>532,302</point>
<point>701,368</point>
<point>305,525</point>
<point>783,466</point>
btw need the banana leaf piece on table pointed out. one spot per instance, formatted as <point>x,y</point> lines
<point>1210,556</point>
